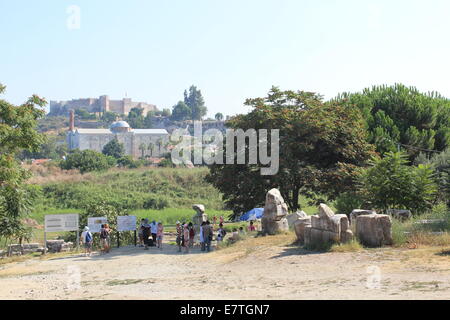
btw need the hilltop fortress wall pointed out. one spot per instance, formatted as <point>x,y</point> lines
<point>102,104</point>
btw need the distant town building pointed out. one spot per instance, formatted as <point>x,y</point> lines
<point>102,104</point>
<point>137,142</point>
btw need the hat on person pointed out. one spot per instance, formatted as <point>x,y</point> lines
<point>178,222</point>
<point>86,228</point>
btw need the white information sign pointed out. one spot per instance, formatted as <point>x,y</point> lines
<point>61,222</point>
<point>126,223</point>
<point>95,223</point>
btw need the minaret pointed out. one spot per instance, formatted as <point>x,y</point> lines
<point>72,121</point>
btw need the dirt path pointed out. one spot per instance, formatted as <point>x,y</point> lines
<point>263,268</point>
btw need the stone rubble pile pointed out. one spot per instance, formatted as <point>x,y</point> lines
<point>17,249</point>
<point>401,215</point>
<point>54,246</point>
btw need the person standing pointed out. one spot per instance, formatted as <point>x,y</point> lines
<point>86,241</point>
<point>202,238</point>
<point>251,227</point>
<point>159,235</point>
<point>141,233</point>
<point>104,238</point>
<point>186,238</point>
<point>146,233</point>
<point>179,236</point>
<point>191,235</point>
<point>154,229</point>
<point>221,219</point>
<point>207,235</point>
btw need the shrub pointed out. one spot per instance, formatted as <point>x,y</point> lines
<point>86,161</point>
<point>390,183</point>
<point>347,202</point>
<point>156,203</point>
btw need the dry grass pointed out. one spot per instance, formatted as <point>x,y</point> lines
<point>426,239</point>
<point>352,246</point>
<point>53,174</point>
<point>248,245</point>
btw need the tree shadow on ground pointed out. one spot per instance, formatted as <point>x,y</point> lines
<point>296,250</point>
<point>444,253</point>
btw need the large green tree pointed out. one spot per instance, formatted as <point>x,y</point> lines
<point>136,118</point>
<point>194,100</point>
<point>114,149</point>
<point>321,146</point>
<point>400,117</point>
<point>181,112</point>
<point>17,134</point>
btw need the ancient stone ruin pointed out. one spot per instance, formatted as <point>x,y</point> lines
<point>292,218</point>
<point>299,227</point>
<point>374,230</point>
<point>326,227</point>
<point>401,215</point>
<point>17,249</point>
<point>199,217</point>
<point>359,212</point>
<point>275,212</point>
<point>54,246</point>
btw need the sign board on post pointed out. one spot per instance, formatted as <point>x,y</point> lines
<point>95,224</point>
<point>126,223</point>
<point>61,222</point>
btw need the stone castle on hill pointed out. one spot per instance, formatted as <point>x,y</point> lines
<point>102,104</point>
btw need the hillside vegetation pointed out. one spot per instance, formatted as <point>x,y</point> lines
<point>128,189</point>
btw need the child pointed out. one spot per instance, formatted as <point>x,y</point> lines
<point>251,227</point>
<point>221,233</point>
<point>159,235</point>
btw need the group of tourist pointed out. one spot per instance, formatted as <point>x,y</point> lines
<point>87,239</point>
<point>151,234</point>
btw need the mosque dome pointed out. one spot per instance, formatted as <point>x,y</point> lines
<point>120,126</point>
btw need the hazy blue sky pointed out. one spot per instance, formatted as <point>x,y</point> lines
<point>232,50</point>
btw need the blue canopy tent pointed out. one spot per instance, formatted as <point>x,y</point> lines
<point>253,214</point>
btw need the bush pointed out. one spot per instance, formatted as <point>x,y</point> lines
<point>390,183</point>
<point>156,203</point>
<point>87,161</point>
<point>347,202</point>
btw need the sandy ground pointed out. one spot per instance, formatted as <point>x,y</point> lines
<point>262,268</point>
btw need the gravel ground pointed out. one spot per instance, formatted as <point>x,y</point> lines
<point>256,271</point>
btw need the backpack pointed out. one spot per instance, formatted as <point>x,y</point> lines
<point>88,237</point>
<point>104,234</point>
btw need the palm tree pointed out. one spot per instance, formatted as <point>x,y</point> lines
<point>151,147</point>
<point>142,148</point>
